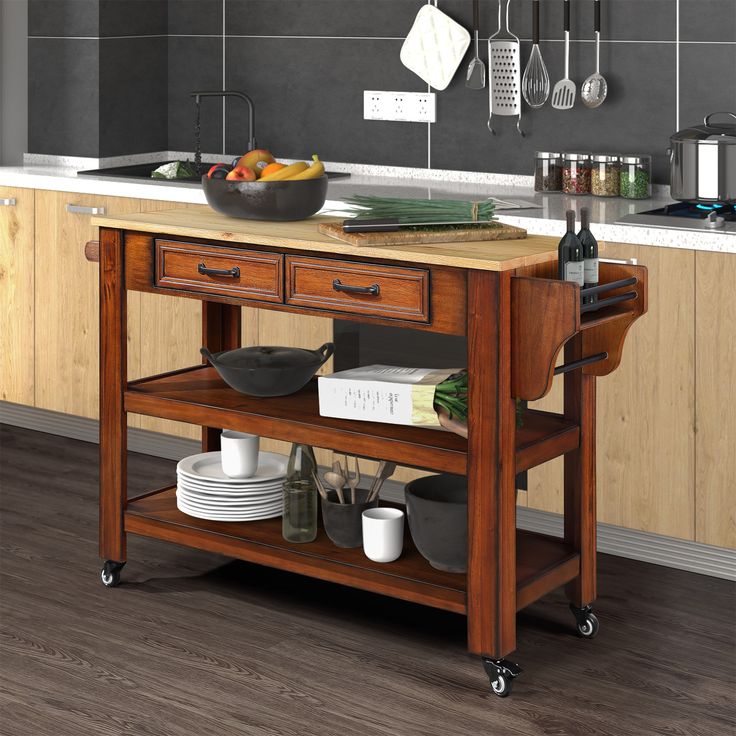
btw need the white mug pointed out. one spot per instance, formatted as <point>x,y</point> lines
<point>239,453</point>
<point>383,534</point>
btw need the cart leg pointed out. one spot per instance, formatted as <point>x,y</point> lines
<point>113,381</point>
<point>580,506</point>
<point>220,331</point>
<point>491,576</point>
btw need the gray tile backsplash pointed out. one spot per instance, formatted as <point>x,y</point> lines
<point>133,88</point>
<point>307,62</point>
<point>195,63</point>
<point>297,118</point>
<point>60,122</point>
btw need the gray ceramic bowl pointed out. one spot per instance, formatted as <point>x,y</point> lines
<point>437,510</point>
<point>268,200</point>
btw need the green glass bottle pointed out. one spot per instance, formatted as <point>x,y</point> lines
<point>299,522</point>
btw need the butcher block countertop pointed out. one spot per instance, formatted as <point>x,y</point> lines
<point>500,255</point>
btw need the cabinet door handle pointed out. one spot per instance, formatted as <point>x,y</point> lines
<point>79,209</point>
<point>234,271</point>
<point>9,202</point>
<point>372,290</point>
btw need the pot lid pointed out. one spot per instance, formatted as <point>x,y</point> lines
<point>268,356</point>
<point>714,132</point>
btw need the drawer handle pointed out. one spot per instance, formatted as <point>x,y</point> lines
<point>373,289</point>
<point>9,202</point>
<point>234,271</point>
<point>80,209</point>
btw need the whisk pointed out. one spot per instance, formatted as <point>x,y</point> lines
<point>535,82</point>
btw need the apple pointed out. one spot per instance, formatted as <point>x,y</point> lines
<point>241,173</point>
<point>256,159</point>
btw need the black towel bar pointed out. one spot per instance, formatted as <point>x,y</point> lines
<point>590,290</point>
<point>567,367</point>
<point>608,302</point>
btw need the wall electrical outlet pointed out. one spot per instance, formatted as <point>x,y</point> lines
<point>411,107</point>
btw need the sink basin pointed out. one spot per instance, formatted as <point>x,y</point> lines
<point>143,171</point>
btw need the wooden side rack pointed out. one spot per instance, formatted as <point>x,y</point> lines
<point>517,319</point>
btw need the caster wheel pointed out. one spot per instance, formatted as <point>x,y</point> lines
<point>110,573</point>
<point>501,686</point>
<point>587,622</point>
<point>588,628</point>
<point>501,674</point>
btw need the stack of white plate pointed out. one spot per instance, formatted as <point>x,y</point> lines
<point>204,491</point>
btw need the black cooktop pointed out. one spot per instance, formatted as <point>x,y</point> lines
<point>695,211</point>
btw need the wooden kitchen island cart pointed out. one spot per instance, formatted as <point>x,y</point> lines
<point>517,318</point>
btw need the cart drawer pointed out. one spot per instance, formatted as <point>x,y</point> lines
<point>243,274</point>
<point>358,288</point>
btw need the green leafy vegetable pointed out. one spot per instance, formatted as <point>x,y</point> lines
<point>408,211</point>
<point>175,170</point>
<point>452,396</point>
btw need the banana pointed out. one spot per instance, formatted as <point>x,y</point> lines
<point>316,170</point>
<point>286,172</point>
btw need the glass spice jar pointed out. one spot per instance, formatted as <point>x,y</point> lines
<point>636,177</point>
<point>547,172</point>
<point>576,173</point>
<point>604,178</point>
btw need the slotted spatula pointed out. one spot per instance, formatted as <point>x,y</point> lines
<point>504,90</point>
<point>563,95</point>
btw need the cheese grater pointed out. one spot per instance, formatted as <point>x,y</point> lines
<point>504,90</point>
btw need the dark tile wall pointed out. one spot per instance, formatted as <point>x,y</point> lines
<point>307,62</point>
<point>98,73</point>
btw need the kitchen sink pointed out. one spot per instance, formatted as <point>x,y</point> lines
<point>143,171</point>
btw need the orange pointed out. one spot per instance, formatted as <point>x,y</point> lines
<point>272,169</point>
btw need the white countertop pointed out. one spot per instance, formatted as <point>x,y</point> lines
<point>548,219</point>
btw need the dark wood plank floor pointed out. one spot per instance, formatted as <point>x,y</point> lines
<point>193,644</point>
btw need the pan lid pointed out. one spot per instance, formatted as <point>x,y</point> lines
<point>711,132</point>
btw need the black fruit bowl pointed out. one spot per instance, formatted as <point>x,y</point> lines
<point>268,200</point>
<point>437,510</point>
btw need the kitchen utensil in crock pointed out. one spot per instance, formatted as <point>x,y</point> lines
<point>343,522</point>
<point>504,90</point>
<point>385,470</point>
<point>476,76</point>
<point>535,82</point>
<point>563,95</point>
<point>595,88</point>
<point>703,161</point>
<point>352,480</point>
<point>267,370</point>
<point>337,481</point>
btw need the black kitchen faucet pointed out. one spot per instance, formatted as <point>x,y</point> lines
<point>251,109</point>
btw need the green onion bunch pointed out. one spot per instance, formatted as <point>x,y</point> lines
<point>410,211</point>
<point>452,396</point>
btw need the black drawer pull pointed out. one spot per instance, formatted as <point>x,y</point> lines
<point>373,289</point>
<point>234,271</point>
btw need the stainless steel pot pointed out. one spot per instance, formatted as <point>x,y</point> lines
<point>703,161</point>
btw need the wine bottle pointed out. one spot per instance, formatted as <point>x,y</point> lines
<point>570,260</point>
<point>590,252</point>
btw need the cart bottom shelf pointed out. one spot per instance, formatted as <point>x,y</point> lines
<point>543,563</point>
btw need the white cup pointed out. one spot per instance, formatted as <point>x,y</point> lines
<point>239,453</point>
<point>383,534</point>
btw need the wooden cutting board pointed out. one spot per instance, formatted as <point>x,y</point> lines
<point>409,237</point>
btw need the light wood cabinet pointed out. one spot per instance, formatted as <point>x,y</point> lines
<point>16,295</point>
<point>66,302</point>
<point>646,410</point>
<point>715,378</point>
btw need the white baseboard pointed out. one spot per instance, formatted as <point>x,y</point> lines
<point>657,549</point>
